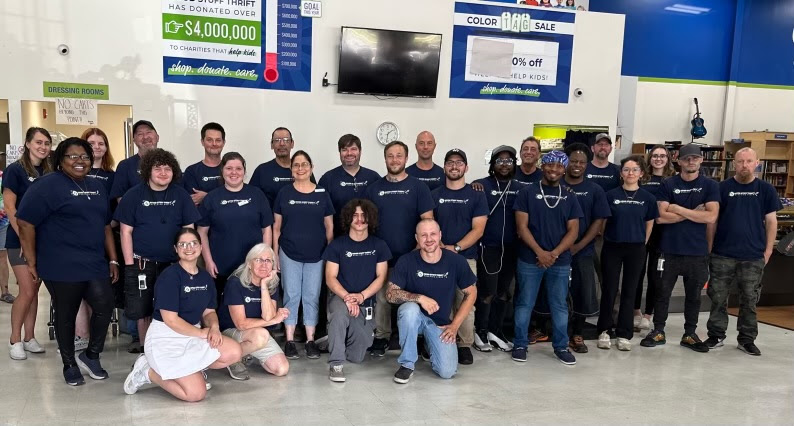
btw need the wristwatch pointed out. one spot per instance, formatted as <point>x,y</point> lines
<point>457,248</point>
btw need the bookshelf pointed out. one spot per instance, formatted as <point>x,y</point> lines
<point>714,160</point>
<point>776,154</point>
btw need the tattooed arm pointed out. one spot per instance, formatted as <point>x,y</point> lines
<point>395,294</point>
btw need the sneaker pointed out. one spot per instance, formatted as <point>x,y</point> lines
<point>653,338</point>
<point>92,366</point>
<point>645,323</point>
<point>337,374</point>
<point>604,341</point>
<point>138,377</point>
<point>499,343</point>
<point>403,375</point>
<point>206,380</point>
<point>519,354</point>
<point>135,346</point>
<point>33,346</point>
<point>238,371</point>
<point>73,376</point>
<point>536,336</point>
<point>565,356</point>
<point>577,345</point>
<point>749,348</point>
<point>312,351</point>
<point>481,342</point>
<point>692,341</point>
<point>637,320</point>
<point>8,298</point>
<point>322,344</point>
<point>378,347</point>
<point>290,350</point>
<point>17,351</point>
<point>714,342</point>
<point>464,356</point>
<point>624,344</point>
<point>80,343</point>
<point>423,352</point>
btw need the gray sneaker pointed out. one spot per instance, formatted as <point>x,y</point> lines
<point>238,371</point>
<point>337,374</point>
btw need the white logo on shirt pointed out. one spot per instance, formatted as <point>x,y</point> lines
<point>98,177</point>
<point>742,194</point>
<point>435,179</point>
<point>281,179</point>
<point>553,197</point>
<point>495,192</point>
<point>582,194</point>
<point>360,253</point>
<point>309,203</point>
<point>652,183</point>
<point>687,191</point>
<point>353,184</point>
<point>238,202</point>
<point>209,178</point>
<point>158,203</point>
<point>452,201</point>
<point>87,193</point>
<point>252,299</point>
<point>31,178</point>
<point>188,289</point>
<point>636,203</point>
<point>592,176</point>
<point>421,274</point>
<point>395,192</point>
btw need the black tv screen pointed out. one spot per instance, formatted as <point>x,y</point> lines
<point>389,63</point>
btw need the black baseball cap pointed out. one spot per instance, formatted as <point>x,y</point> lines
<point>139,123</point>
<point>456,151</point>
<point>689,150</point>
<point>503,148</point>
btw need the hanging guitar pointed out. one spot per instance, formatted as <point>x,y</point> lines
<point>698,128</point>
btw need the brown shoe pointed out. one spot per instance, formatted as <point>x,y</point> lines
<point>577,345</point>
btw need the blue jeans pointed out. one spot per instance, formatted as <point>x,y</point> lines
<point>301,283</point>
<point>412,322</point>
<point>528,284</point>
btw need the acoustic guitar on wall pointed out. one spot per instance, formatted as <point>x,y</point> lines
<point>698,125</point>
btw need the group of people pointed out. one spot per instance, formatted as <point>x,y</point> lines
<point>210,265</point>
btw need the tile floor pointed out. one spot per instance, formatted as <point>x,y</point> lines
<point>662,385</point>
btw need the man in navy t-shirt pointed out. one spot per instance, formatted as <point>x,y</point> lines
<point>424,282</point>
<point>743,239</point>
<point>349,180</point>
<point>461,213</point>
<point>529,172</point>
<point>547,220</point>
<point>128,171</point>
<point>424,169</point>
<point>204,176</point>
<point>355,270</point>
<point>402,201</point>
<point>687,203</point>
<point>273,175</point>
<point>600,170</point>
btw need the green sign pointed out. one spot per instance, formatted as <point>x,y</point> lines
<point>55,89</point>
<point>211,30</point>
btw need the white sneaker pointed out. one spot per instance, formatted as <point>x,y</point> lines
<point>623,344</point>
<point>603,341</point>
<point>645,323</point>
<point>499,343</point>
<point>138,377</point>
<point>637,320</point>
<point>17,351</point>
<point>480,345</point>
<point>33,346</point>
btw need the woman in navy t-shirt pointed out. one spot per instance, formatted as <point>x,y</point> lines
<point>625,235</point>
<point>303,227</point>
<point>17,178</point>
<point>184,337</point>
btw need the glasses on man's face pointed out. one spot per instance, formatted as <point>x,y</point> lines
<point>659,156</point>
<point>635,170</point>
<point>184,245</point>
<point>259,261</point>
<point>75,157</point>
<point>456,163</point>
<point>281,140</point>
<point>504,162</point>
<point>297,166</point>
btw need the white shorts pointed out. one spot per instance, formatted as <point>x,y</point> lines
<point>173,355</point>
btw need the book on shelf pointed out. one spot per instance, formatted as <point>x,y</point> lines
<point>777,167</point>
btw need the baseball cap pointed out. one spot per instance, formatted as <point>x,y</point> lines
<point>602,136</point>
<point>689,150</point>
<point>502,148</point>
<point>139,123</point>
<point>456,151</point>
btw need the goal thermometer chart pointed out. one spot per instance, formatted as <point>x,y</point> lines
<point>262,44</point>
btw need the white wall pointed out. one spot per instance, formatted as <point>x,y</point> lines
<point>119,44</point>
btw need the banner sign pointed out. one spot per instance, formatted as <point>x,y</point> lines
<point>261,44</point>
<point>56,89</point>
<point>514,52</point>
<point>81,112</point>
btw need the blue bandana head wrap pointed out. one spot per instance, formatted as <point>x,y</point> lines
<point>555,157</point>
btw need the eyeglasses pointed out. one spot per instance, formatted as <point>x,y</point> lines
<point>457,163</point>
<point>184,245</point>
<point>634,170</point>
<point>75,157</point>
<point>658,156</point>
<point>281,140</point>
<point>297,166</point>
<point>504,162</point>
<point>260,261</point>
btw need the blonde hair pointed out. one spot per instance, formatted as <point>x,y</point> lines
<point>244,273</point>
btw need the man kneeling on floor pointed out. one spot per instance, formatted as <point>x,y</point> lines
<point>424,282</point>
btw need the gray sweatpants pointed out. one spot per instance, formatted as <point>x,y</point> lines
<point>348,337</point>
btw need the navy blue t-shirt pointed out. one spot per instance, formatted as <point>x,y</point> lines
<point>501,226</point>
<point>433,178</point>
<point>607,178</point>
<point>533,177</point>
<point>17,180</point>
<point>687,238</point>
<point>357,260</point>
<point>593,202</point>
<point>188,296</point>
<point>201,177</point>
<point>654,185</point>
<point>437,281</point>
<point>128,174</point>
<point>70,218</point>
<point>302,222</point>
<point>105,177</point>
<point>454,212</point>
<point>234,294</point>
<point>741,233</point>
<point>630,212</point>
<point>399,206</point>
<point>235,221</point>
<point>270,177</point>
<point>547,225</point>
<point>156,217</point>
<point>343,187</point>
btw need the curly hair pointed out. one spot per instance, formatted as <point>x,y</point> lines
<point>60,152</point>
<point>370,214</point>
<point>159,157</point>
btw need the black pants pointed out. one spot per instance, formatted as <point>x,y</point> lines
<point>496,270</point>
<point>654,275</point>
<point>614,257</point>
<point>220,284</point>
<point>695,270</point>
<point>66,298</point>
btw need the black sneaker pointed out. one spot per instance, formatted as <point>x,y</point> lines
<point>653,338</point>
<point>312,351</point>
<point>73,376</point>
<point>692,341</point>
<point>92,366</point>
<point>290,350</point>
<point>464,356</point>
<point>403,375</point>
<point>714,342</point>
<point>378,347</point>
<point>749,348</point>
<point>423,352</point>
<point>565,356</point>
<point>519,354</point>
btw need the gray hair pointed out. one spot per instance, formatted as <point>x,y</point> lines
<point>244,273</point>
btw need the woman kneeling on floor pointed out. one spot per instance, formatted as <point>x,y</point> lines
<point>248,308</point>
<point>184,337</point>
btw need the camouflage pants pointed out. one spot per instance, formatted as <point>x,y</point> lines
<point>747,275</point>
